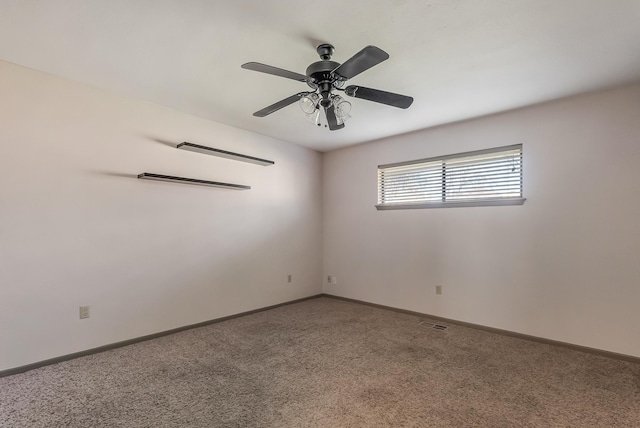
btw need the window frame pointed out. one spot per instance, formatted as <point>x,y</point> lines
<point>470,202</point>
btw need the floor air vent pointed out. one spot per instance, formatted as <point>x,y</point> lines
<point>434,326</point>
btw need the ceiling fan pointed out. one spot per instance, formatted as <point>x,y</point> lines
<point>326,76</point>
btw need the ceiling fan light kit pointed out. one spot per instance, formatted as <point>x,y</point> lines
<point>326,76</point>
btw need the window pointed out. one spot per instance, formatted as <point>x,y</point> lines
<point>485,177</point>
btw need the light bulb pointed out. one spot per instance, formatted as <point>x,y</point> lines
<point>309,103</point>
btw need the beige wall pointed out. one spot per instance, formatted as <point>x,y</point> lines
<point>563,266</point>
<point>77,227</point>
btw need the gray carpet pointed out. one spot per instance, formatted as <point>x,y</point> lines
<point>327,363</point>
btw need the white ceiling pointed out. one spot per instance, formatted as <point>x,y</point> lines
<point>458,58</point>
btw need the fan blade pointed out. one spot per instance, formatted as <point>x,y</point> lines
<point>263,68</point>
<point>280,104</point>
<point>378,96</point>
<point>362,61</point>
<point>331,119</point>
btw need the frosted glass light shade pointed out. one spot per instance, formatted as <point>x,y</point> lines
<point>309,103</point>
<point>313,117</point>
<point>343,108</point>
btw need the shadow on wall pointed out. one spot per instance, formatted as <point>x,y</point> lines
<point>171,144</point>
<point>112,174</point>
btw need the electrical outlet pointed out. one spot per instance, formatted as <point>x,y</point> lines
<point>84,312</point>
<point>334,280</point>
<point>289,278</point>
<point>438,289</point>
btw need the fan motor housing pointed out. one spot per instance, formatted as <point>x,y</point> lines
<point>321,71</point>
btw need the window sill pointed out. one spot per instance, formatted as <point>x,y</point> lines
<point>475,203</point>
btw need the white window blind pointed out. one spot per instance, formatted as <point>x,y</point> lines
<point>486,177</point>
